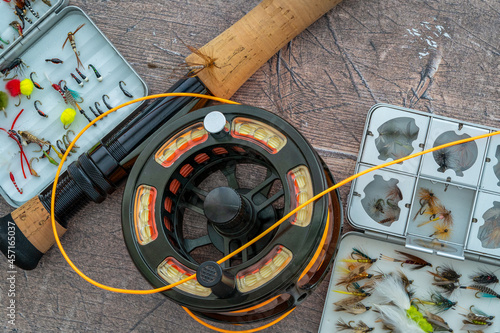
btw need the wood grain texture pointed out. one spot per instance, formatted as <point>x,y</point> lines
<point>323,82</point>
<point>242,49</point>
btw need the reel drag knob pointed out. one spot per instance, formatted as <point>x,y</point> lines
<point>227,211</point>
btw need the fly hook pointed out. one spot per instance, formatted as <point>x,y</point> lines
<point>125,92</point>
<point>106,103</point>
<point>36,84</point>
<point>38,110</point>
<point>98,76</point>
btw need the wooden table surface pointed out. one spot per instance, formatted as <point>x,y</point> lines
<point>324,82</point>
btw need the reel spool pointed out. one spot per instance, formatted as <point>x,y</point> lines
<point>194,195</point>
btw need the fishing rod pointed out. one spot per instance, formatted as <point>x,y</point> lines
<point>227,62</point>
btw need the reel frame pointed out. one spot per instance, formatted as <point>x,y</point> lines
<point>298,278</point>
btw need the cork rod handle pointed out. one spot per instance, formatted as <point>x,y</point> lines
<point>243,48</point>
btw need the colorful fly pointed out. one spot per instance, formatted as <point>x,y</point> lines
<point>482,291</point>
<point>49,158</point>
<point>84,78</point>
<point>28,4</point>
<point>77,80</point>
<point>476,322</point>
<point>59,145</point>
<point>357,274</point>
<point>439,302</point>
<point>480,313</point>
<point>427,199</point>
<point>97,75</point>
<point>20,190</point>
<point>441,231</point>
<point>17,27</point>
<point>38,110</point>
<point>36,84</point>
<point>409,260</point>
<point>28,138</point>
<point>484,277</point>
<point>55,61</point>
<point>71,39</point>
<point>33,172</point>
<point>359,256</point>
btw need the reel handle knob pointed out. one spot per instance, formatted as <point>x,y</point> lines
<point>210,275</point>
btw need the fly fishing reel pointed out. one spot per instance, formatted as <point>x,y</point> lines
<point>207,184</point>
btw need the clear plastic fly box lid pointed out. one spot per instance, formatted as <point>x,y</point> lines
<point>446,202</point>
<point>59,72</point>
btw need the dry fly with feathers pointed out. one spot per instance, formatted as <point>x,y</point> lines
<point>194,68</point>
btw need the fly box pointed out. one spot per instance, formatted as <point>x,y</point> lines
<point>64,56</point>
<point>442,207</point>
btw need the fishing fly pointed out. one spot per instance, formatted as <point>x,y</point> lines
<point>38,110</point>
<point>97,107</point>
<point>439,302</point>
<point>77,80</point>
<point>438,323</point>
<point>122,85</point>
<point>427,200</point>
<point>438,213</point>
<point>475,322</point>
<point>445,273</point>
<point>382,199</point>
<point>457,158</point>
<point>28,138</point>
<point>71,39</point>
<point>352,305</point>
<point>55,61</point>
<point>480,313</point>
<point>17,66</point>
<point>357,274</point>
<point>360,257</point>
<point>20,190</point>
<point>482,291</point>
<point>97,74</point>
<point>36,84</point>
<point>33,172</point>
<point>484,277</point>
<point>408,259</point>
<point>17,27</point>
<point>105,102</point>
<point>84,78</point>
<point>351,326</point>
<point>441,231</point>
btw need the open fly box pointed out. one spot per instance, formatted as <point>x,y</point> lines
<point>45,32</point>
<point>443,207</point>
